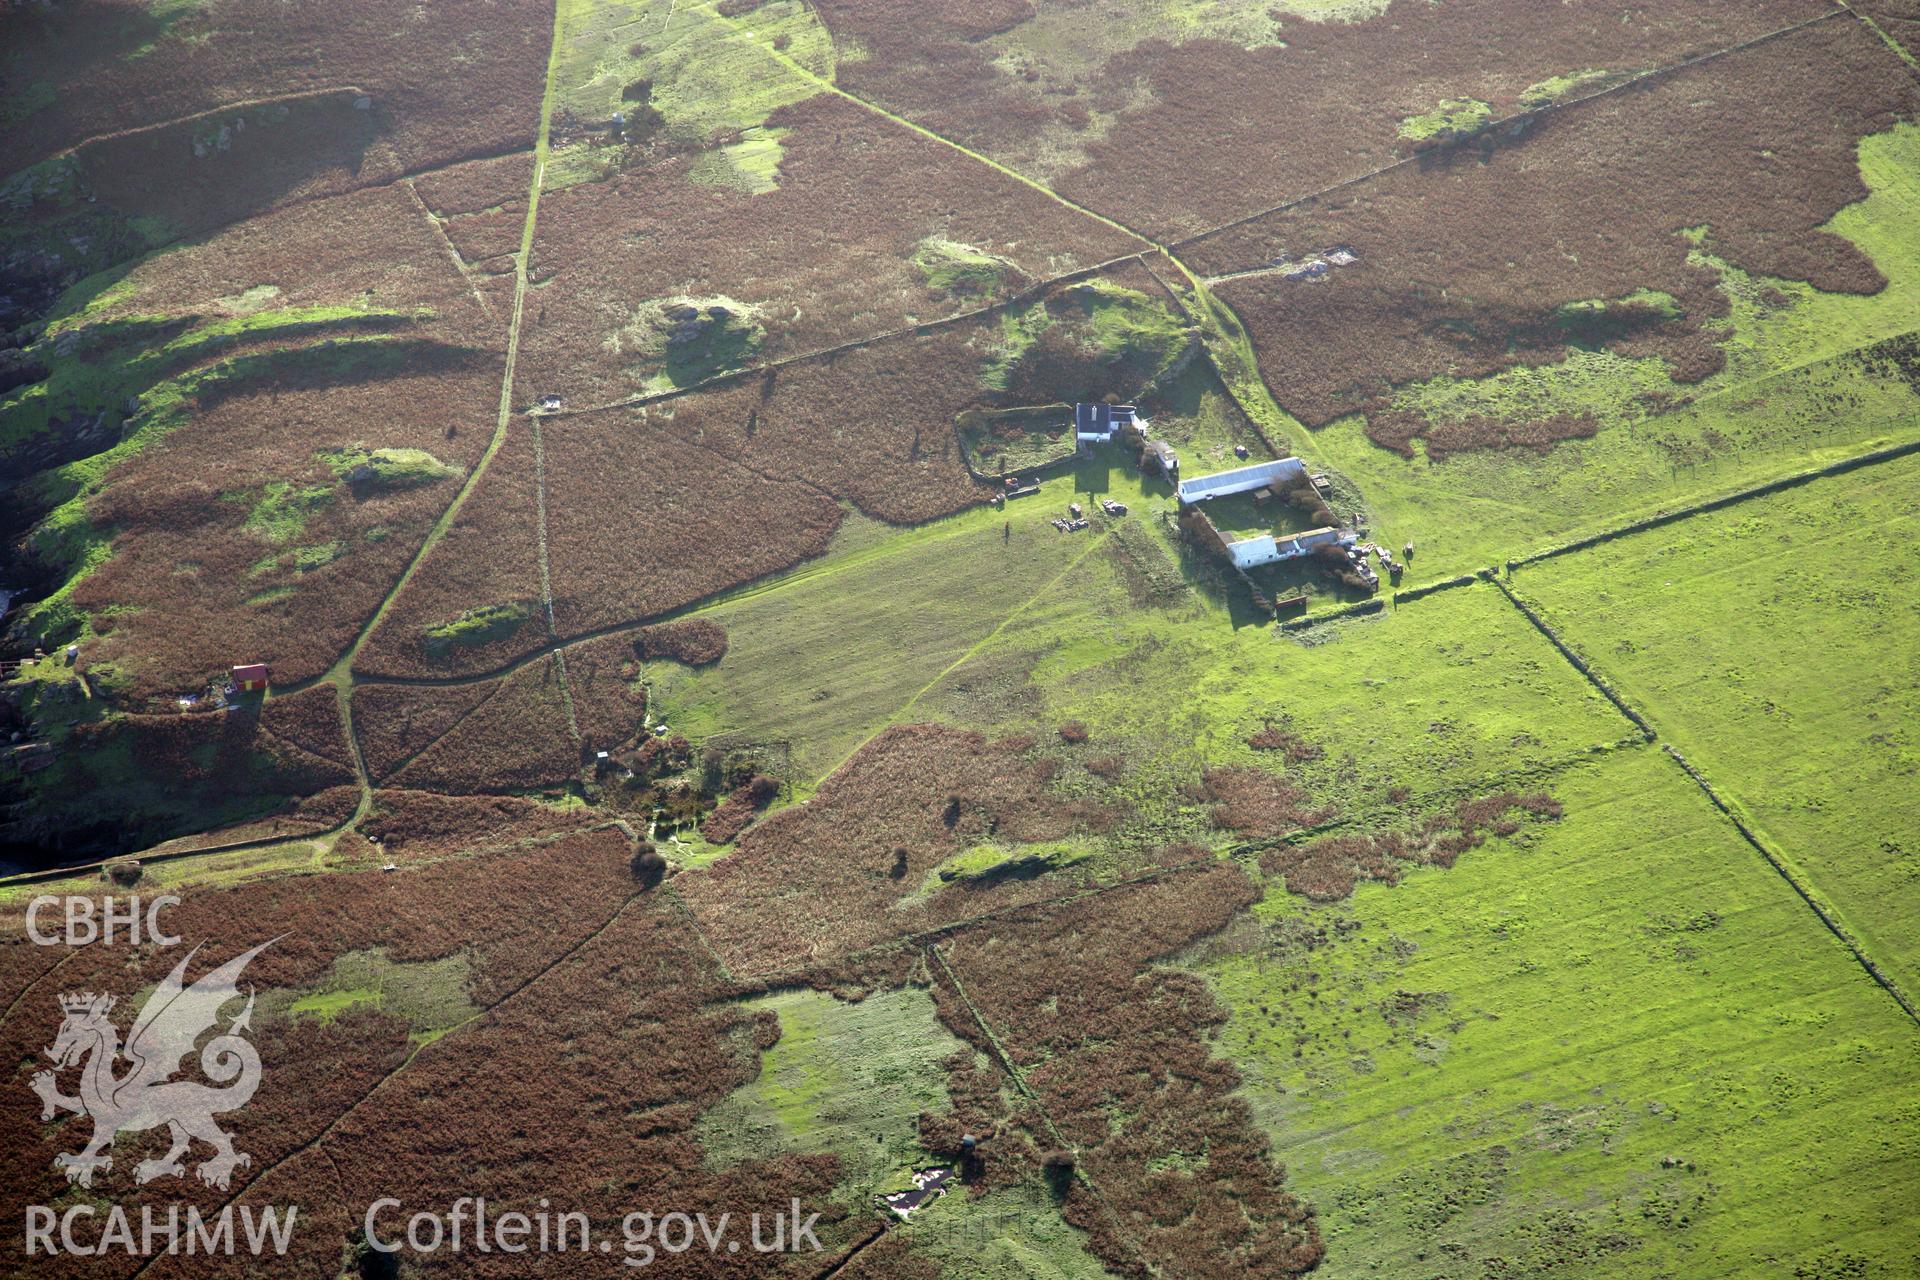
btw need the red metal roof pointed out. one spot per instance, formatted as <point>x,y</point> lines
<point>250,671</point>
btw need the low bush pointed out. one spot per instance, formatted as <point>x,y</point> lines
<point>1257,804</point>
<point>648,867</point>
<point>1272,737</point>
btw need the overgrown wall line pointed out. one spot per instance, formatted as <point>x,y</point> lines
<point>928,937</point>
<point>453,252</point>
<point>845,1260</point>
<point>1826,914</point>
<point>1779,864</point>
<point>566,695</point>
<point>1885,38</point>
<point>1446,584</point>
<point>1014,1074</point>
<point>1792,481</point>
<point>1358,609</point>
<point>1578,663</point>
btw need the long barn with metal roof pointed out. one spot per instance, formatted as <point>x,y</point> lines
<point>1280,472</point>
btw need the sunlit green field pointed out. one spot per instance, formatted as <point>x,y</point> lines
<point>1776,644</point>
<point>1615,1045</point>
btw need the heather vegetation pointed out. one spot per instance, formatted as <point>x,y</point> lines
<point>1810,378</point>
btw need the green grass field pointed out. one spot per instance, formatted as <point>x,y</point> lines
<point>825,656</point>
<point>825,659</point>
<point>1776,645</point>
<point>1616,1045</point>
<point>1453,692</point>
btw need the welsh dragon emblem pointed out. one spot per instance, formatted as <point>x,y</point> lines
<point>144,1095</point>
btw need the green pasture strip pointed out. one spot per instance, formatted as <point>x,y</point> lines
<point>1432,698</point>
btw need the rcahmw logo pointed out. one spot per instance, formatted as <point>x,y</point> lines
<point>143,1094</point>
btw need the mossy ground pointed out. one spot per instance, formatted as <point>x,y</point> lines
<point>430,996</point>
<point>279,514</point>
<point>684,71</point>
<point>385,470</point>
<point>852,1079</point>
<point>476,627</point>
<point>1452,118</point>
<point>955,268</point>
<point>1087,341</point>
<point>682,340</point>
<point>1568,84</point>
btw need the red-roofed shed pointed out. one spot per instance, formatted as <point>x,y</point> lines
<point>250,677</point>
